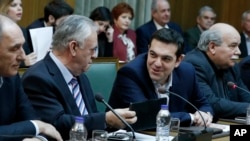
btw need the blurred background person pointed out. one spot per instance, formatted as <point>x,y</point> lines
<point>54,11</point>
<point>205,19</point>
<point>124,46</point>
<point>245,34</point>
<point>103,19</point>
<point>14,10</point>
<point>161,15</point>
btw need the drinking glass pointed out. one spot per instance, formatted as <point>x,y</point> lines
<point>174,127</point>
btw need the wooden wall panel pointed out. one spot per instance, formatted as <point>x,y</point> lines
<point>33,9</point>
<point>184,12</point>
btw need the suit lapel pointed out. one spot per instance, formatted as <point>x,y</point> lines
<point>62,86</point>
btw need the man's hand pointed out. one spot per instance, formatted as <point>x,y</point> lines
<point>48,129</point>
<point>30,59</point>
<point>198,121</point>
<point>115,122</point>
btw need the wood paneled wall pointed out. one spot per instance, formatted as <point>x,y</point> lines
<point>33,9</point>
<point>184,12</point>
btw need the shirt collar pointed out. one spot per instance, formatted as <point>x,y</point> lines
<point>64,71</point>
<point>159,26</point>
<point>167,85</point>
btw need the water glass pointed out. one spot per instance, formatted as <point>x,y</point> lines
<point>174,127</point>
<point>248,116</point>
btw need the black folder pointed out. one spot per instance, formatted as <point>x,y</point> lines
<point>146,113</point>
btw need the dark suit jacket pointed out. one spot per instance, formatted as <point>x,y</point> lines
<point>53,101</point>
<point>15,110</point>
<point>243,46</point>
<point>192,36</point>
<point>133,84</point>
<point>105,49</point>
<point>27,46</point>
<point>245,71</point>
<point>144,33</point>
<point>36,24</point>
<point>226,102</point>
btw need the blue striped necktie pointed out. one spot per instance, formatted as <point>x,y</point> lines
<point>78,96</point>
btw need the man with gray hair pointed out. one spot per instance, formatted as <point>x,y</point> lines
<point>205,19</point>
<point>214,61</point>
<point>57,86</point>
<point>245,34</point>
<point>18,119</point>
<point>161,15</point>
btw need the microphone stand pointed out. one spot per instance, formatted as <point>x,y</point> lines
<point>204,135</point>
<point>100,99</point>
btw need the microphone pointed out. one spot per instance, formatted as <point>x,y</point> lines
<point>99,98</point>
<point>234,86</point>
<point>205,134</point>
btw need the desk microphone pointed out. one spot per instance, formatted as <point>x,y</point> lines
<point>99,98</point>
<point>204,135</point>
<point>234,86</point>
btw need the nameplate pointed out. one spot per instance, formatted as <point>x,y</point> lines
<point>239,132</point>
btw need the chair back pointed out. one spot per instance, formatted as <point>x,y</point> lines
<point>101,75</point>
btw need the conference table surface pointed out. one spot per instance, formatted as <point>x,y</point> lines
<point>223,138</point>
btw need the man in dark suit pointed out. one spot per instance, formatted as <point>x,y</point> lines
<point>245,34</point>
<point>159,20</point>
<point>53,12</point>
<point>140,80</point>
<point>205,20</point>
<point>47,83</point>
<point>17,117</point>
<point>215,67</point>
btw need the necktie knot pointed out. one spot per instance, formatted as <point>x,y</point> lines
<point>73,81</point>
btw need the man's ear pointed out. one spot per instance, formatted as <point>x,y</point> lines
<point>72,47</point>
<point>178,60</point>
<point>211,48</point>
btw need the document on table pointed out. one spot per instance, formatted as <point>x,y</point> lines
<point>224,128</point>
<point>41,39</point>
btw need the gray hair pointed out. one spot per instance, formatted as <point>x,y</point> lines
<point>154,4</point>
<point>244,15</point>
<point>4,20</point>
<point>73,27</point>
<point>209,36</point>
<point>205,9</point>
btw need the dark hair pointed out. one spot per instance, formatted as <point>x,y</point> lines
<point>169,36</point>
<point>121,8</point>
<point>58,9</point>
<point>101,14</point>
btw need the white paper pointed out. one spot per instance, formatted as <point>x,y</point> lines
<point>225,128</point>
<point>41,39</point>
